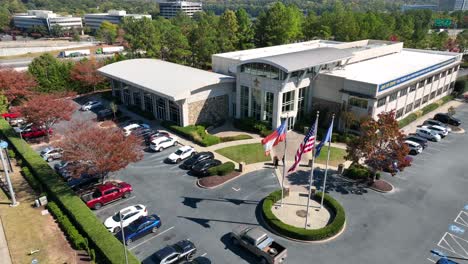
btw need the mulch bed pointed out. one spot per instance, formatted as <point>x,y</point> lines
<point>108,123</point>
<point>455,128</point>
<point>213,181</point>
<point>382,186</point>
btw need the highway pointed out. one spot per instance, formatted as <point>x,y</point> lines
<point>22,63</point>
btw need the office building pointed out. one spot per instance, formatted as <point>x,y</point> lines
<point>419,7</point>
<point>94,21</point>
<point>453,5</point>
<point>171,8</point>
<point>45,18</point>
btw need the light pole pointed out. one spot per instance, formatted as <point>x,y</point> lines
<point>4,145</point>
<point>123,237</point>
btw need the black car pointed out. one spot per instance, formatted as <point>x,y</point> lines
<point>447,119</point>
<point>106,114</point>
<point>143,133</point>
<point>188,164</point>
<point>420,140</point>
<point>184,249</point>
<point>82,183</point>
<point>201,168</point>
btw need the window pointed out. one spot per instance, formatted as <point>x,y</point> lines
<point>288,101</point>
<point>443,74</point>
<point>422,83</point>
<point>417,103</point>
<point>403,92</point>
<point>439,91</point>
<point>429,80</point>
<point>358,102</point>
<point>126,98</point>
<point>381,101</point>
<point>412,88</point>
<point>452,85</point>
<point>301,103</point>
<point>148,102</point>
<point>244,101</point>
<point>409,107</point>
<point>436,77</point>
<point>256,103</point>
<point>399,113</point>
<point>137,99</point>
<point>393,97</point>
<point>263,70</point>
<point>450,71</point>
<point>446,87</point>
<point>433,94</point>
<point>425,99</point>
<point>174,113</point>
<point>161,108</point>
<point>268,111</point>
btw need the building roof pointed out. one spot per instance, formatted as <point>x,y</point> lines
<point>407,63</point>
<point>304,59</point>
<point>166,79</point>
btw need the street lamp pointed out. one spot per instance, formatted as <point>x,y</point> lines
<point>4,145</point>
<point>123,237</point>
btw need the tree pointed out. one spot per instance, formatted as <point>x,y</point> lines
<point>451,111</point>
<point>3,104</point>
<point>114,151</point>
<point>15,85</point>
<point>46,110</point>
<point>462,40</point>
<point>4,17</point>
<point>245,32</point>
<point>380,144</point>
<point>142,35</point>
<point>114,108</point>
<point>51,74</point>
<point>107,32</point>
<point>56,31</point>
<point>174,44</point>
<point>348,118</point>
<point>203,40</point>
<point>85,72</point>
<point>227,37</point>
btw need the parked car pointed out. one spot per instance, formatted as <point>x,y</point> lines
<point>184,249</point>
<point>51,153</point>
<point>447,119</point>
<point>161,143</point>
<point>83,183</point>
<point>106,193</point>
<point>36,132</point>
<point>125,217</point>
<point>128,129</point>
<point>155,134</point>
<point>427,133</point>
<point>143,134</point>
<point>61,165</point>
<point>201,168</point>
<point>414,147</point>
<point>420,140</point>
<point>181,154</point>
<point>90,105</point>
<point>201,156</point>
<point>432,122</point>
<point>11,115</point>
<point>139,228</point>
<point>260,244</point>
<point>106,114</point>
<point>17,121</point>
<point>23,128</point>
<point>438,129</point>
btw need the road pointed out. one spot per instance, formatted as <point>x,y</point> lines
<point>24,62</point>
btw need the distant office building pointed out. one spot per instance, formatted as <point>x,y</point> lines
<point>45,18</point>
<point>453,5</point>
<point>170,9</point>
<point>94,21</point>
<point>419,7</point>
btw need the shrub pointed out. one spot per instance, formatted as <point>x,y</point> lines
<point>76,239</point>
<point>407,120</point>
<point>359,172</point>
<point>333,228</point>
<point>195,133</point>
<point>32,181</point>
<point>11,154</point>
<point>429,108</point>
<point>252,125</point>
<point>343,138</point>
<point>222,169</point>
<point>235,138</point>
<point>447,98</point>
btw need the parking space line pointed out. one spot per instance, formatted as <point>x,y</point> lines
<point>202,255</point>
<point>431,260</point>
<point>116,203</point>
<point>157,235</point>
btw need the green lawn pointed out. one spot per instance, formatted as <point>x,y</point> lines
<point>336,156</point>
<point>248,153</point>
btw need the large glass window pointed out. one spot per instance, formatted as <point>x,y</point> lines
<point>256,101</point>
<point>381,101</point>
<point>288,101</point>
<point>358,102</point>
<point>417,103</point>
<point>161,108</point>
<point>412,88</point>
<point>399,113</point>
<point>439,91</point>
<point>409,107</point>
<point>244,101</point>
<point>148,102</point>
<point>126,96</point>
<point>429,80</point>
<point>421,84</point>
<point>393,97</point>
<point>433,94</point>
<point>137,99</point>
<point>301,103</point>
<point>425,99</point>
<point>268,111</point>
<point>403,92</point>
<point>263,70</point>
<point>174,112</point>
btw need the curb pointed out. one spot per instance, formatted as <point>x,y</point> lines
<point>380,191</point>
<point>462,131</point>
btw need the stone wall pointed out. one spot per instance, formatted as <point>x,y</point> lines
<point>210,110</point>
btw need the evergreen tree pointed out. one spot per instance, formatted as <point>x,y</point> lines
<point>107,32</point>
<point>203,40</point>
<point>143,35</point>
<point>51,74</point>
<point>227,35</point>
<point>174,44</point>
<point>245,33</point>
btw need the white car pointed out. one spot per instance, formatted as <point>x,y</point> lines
<point>17,121</point>
<point>51,153</point>
<point>128,129</point>
<point>414,147</point>
<point>442,131</point>
<point>161,143</point>
<point>90,105</point>
<point>129,214</point>
<point>427,133</point>
<point>181,154</point>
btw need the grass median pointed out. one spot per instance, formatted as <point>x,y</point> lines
<point>248,153</point>
<point>336,156</point>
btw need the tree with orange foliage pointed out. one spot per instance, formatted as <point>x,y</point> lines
<point>46,110</point>
<point>85,72</point>
<point>104,150</point>
<point>15,85</point>
<point>380,144</point>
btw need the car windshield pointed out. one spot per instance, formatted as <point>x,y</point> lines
<point>178,152</point>
<point>96,194</point>
<point>116,217</point>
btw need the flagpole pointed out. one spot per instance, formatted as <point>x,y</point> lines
<point>328,159</point>
<point>284,161</point>
<point>311,177</point>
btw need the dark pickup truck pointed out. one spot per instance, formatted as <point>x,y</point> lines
<point>106,193</point>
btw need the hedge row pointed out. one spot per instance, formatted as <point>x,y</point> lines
<point>359,172</point>
<point>223,169</point>
<point>108,248</point>
<point>425,110</point>
<point>236,137</point>
<point>253,125</point>
<point>75,238</point>
<point>328,231</point>
<point>195,133</point>
<point>33,182</point>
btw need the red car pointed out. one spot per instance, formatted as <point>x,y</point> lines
<point>11,115</point>
<point>36,132</point>
<point>106,193</point>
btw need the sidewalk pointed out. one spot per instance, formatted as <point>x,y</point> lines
<point>4,252</point>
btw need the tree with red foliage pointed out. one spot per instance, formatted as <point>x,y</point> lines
<point>380,145</point>
<point>85,72</point>
<point>15,85</point>
<point>45,110</point>
<point>104,150</point>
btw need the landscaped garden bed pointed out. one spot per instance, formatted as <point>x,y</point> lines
<point>381,186</point>
<point>216,180</point>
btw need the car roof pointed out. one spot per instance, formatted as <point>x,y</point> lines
<point>185,244</point>
<point>424,129</point>
<point>184,148</point>
<point>159,139</point>
<point>164,252</point>
<point>130,126</point>
<point>409,142</point>
<point>131,209</point>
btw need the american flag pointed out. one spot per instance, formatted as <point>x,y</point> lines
<point>306,146</point>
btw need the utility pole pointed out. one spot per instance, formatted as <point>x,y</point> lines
<point>4,145</point>
<point>124,241</point>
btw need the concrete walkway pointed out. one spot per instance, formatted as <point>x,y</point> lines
<point>4,252</point>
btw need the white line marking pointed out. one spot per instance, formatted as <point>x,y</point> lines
<point>450,248</point>
<point>157,235</point>
<point>462,218</point>
<point>116,203</point>
<point>238,189</point>
<point>204,254</point>
<point>433,261</point>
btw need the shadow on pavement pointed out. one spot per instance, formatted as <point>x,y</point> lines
<point>242,253</point>
<point>206,222</point>
<point>193,202</point>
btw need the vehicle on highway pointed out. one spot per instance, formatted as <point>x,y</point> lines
<point>106,193</point>
<point>259,243</point>
<point>109,50</point>
<point>427,133</point>
<point>83,183</point>
<point>432,122</point>
<point>438,129</point>
<point>201,168</point>
<point>11,115</point>
<point>181,154</point>
<point>447,119</point>
<point>201,156</point>
<point>139,228</point>
<point>420,140</point>
<point>90,105</point>
<point>36,132</point>
<point>414,147</point>
<point>161,143</point>
<point>51,153</point>
<point>74,53</point>
<point>125,217</point>
<point>106,114</point>
<point>182,250</point>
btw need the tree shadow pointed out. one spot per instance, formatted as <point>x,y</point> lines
<point>193,202</point>
<point>205,222</point>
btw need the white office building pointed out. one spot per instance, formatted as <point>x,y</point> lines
<point>46,19</point>
<point>94,21</point>
<point>171,8</point>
